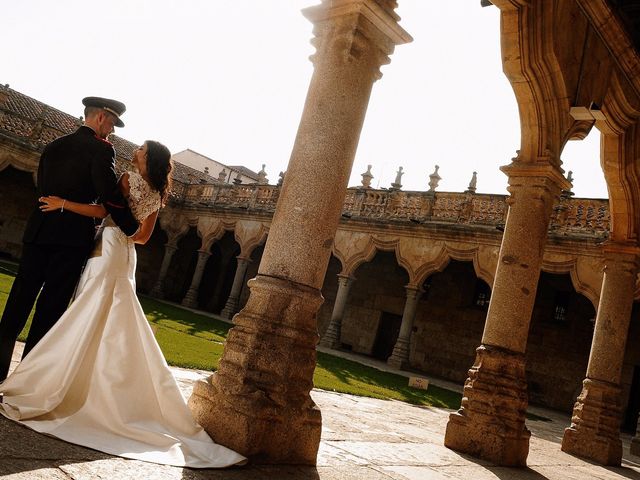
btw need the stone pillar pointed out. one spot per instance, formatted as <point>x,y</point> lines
<point>191,298</point>
<point>331,338</point>
<point>157,290</point>
<point>595,425</point>
<point>400,356</point>
<point>231,307</point>
<point>634,447</point>
<point>491,421</point>
<point>258,402</point>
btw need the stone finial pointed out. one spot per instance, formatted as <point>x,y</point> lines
<point>397,185</point>
<point>262,176</point>
<point>569,193</point>
<point>473,183</point>
<point>238,179</point>
<point>434,179</point>
<point>366,178</point>
<point>206,170</point>
<point>222,176</point>
<point>281,178</point>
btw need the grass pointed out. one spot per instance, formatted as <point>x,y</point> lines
<point>196,341</point>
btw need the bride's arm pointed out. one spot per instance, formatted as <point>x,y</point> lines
<point>52,203</point>
<point>143,234</point>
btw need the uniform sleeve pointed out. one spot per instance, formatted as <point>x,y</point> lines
<point>40,187</point>
<point>105,181</point>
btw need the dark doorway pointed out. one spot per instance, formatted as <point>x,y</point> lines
<point>633,407</point>
<point>388,330</point>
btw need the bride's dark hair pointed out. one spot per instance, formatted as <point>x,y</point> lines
<point>159,167</point>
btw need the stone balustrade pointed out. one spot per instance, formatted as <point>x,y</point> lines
<point>575,216</point>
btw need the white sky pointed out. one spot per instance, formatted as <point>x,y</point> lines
<point>228,79</point>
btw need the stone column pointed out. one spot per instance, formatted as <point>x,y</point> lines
<point>595,425</point>
<point>191,298</point>
<point>331,338</point>
<point>157,290</point>
<point>400,356</point>
<point>258,402</point>
<point>231,307</point>
<point>491,421</point>
<point>634,447</point>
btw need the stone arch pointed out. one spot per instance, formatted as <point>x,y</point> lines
<point>250,234</point>
<point>24,161</point>
<point>619,146</point>
<point>355,248</point>
<point>483,257</point>
<point>585,273</point>
<point>210,229</point>
<point>174,224</point>
<point>533,67</point>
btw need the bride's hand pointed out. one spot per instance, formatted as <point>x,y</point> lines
<point>51,203</point>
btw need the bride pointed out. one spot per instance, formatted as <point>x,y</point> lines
<point>98,378</point>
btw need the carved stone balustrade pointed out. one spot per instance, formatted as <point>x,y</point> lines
<point>571,216</point>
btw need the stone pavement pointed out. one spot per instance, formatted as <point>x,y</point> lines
<point>362,439</point>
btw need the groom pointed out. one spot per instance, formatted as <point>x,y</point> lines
<point>79,167</point>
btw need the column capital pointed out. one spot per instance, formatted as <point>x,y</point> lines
<point>536,173</point>
<point>380,15</point>
<point>413,291</point>
<point>349,28</point>
<point>203,253</point>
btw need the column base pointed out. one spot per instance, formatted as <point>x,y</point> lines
<point>258,402</point>
<point>190,299</point>
<point>634,447</point>
<point>595,425</point>
<point>331,338</point>
<point>491,421</point>
<point>156,291</point>
<point>230,309</point>
<point>400,356</point>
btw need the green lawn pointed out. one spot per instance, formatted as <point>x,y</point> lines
<point>196,341</point>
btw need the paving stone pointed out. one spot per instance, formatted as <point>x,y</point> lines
<point>29,469</point>
<point>362,438</point>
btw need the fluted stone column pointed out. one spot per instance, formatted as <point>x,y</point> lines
<point>400,356</point>
<point>490,423</point>
<point>595,425</point>
<point>191,298</point>
<point>158,289</point>
<point>258,402</point>
<point>231,307</point>
<point>331,338</point>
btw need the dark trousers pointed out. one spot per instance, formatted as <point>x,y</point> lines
<point>55,270</point>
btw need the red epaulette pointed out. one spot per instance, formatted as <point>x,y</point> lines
<point>104,140</point>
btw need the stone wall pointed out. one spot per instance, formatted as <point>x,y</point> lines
<point>448,326</point>
<point>378,288</point>
<point>17,198</point>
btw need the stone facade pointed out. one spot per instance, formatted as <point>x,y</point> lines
<point>573,65</point>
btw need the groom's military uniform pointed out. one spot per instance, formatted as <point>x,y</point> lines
<point>79,167</point>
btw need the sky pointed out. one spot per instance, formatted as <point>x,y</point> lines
<point>229,79</point>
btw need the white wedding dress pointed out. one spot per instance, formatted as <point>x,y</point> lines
<point>99,379</point>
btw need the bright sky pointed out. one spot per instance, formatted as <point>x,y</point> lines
<point>228,79</point>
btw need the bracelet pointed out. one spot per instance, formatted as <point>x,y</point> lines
<point>62,207</point>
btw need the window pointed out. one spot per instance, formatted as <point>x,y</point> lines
<point>560,307</point>
<point>481,295</point>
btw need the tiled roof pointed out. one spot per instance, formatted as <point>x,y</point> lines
<point>34,124</point>
<point>245,171</point>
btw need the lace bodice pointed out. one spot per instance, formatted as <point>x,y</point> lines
<point>143,199</point>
